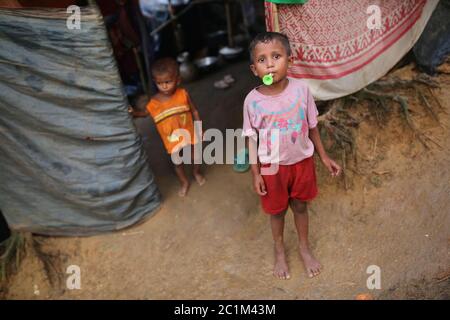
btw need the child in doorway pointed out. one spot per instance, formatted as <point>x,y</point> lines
<point>287,105</point>
<point>172,108</point>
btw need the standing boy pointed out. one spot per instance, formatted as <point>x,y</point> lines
<point>284,105</point>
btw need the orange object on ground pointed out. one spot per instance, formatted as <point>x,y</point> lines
<point>170,115</point>
<point>364,296</point>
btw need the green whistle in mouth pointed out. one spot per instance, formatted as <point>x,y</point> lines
<point>268,79</point>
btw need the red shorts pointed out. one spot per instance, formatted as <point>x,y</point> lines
<point>294,181</point>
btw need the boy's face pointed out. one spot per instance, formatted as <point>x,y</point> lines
<point>270,57</point>
<point>166,82</point>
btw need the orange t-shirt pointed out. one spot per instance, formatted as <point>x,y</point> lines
<point>170,115</point>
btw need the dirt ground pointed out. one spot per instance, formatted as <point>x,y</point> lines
<point>216,242</point>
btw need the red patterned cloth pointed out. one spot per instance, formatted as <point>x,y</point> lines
<point>333,48</point>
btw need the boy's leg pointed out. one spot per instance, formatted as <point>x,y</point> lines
<point>300,210</point>
<point>196,169</point>
<point>280,269</point>
<point>179,169</point>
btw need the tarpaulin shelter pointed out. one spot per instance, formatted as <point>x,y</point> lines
<point>336,50</point>
<point>434,43</point>
<point>71,161</point>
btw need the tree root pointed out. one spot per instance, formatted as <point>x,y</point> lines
<point>12,252</point>
<point>50,261</point>
<point>336,124</point>
<point>427,106</point>
<point>370,93</point>
<point>395,82</point>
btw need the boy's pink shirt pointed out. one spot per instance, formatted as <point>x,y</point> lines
<point>293,112</point>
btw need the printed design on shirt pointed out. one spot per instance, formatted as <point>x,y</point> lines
<point>290,121</point>
<point>183,119</point>
<point>174,137</point>
<point>170,112</point>
<point>260,109</point>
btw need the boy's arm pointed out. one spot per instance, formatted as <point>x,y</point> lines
<point>137,114</point>
<point>194,110</point>
<point>258,182</point>
<point>196,116</point>
<point>252,142</point>
<point>332,166</point>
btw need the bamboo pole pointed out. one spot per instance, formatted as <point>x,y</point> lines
<point>141,71</point>
<point>229,26</point>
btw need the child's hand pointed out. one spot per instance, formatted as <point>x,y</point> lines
<point>259,185</point>
<point>332,166</point>
<point>130,109</point>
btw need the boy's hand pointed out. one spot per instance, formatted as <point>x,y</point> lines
<point>259,185</point>
<point>130,109</point>
<point>332,166</point>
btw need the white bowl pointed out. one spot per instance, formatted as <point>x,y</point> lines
<point>230,53</point>
<point>206,62</point>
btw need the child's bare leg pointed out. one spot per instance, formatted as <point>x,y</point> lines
<point>300,209</point>
<point>280,269</point>
<point>197,175</point>
<point>196,169</point>
<point>179,169</point>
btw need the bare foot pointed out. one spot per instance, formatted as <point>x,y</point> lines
<point>311,264</point>
<point>184,189</point>
<point>200,179</point>
<point>280,269</point>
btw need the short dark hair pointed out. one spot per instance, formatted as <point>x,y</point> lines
<point>164,65</point>
<point>265,37</point>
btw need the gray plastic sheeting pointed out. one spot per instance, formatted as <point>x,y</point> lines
<point>71,162</point>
